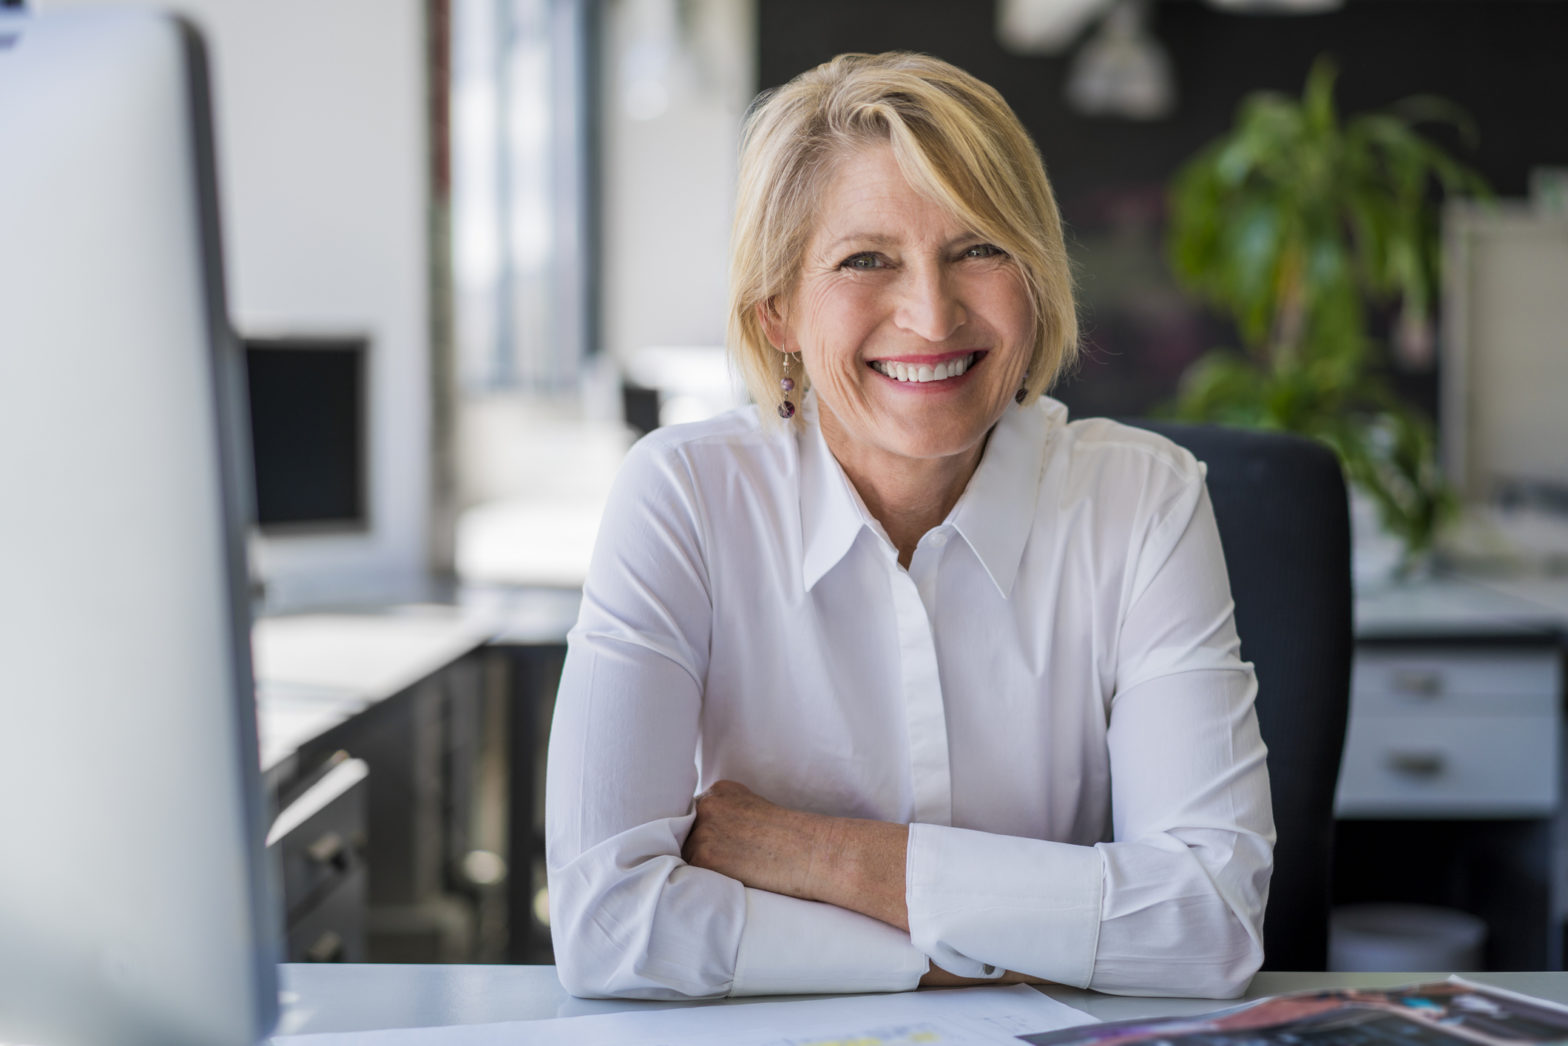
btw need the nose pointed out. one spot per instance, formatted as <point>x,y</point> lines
<point>928,304</point>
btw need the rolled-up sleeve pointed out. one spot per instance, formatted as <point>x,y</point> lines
<point>628,916</point>
<point>1173,904</point>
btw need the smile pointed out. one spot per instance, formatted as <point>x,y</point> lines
<point>923,372</point>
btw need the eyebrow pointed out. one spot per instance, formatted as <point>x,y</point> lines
<point>870,239</point>
<point>877,239</point>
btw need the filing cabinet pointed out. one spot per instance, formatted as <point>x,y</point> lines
<point>1450,786</point>
<point>318,842</point>
<point>1442,732</point>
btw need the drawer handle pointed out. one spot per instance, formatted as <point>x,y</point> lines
<point>1417,682</point>
<point>328,948</point>
<point>329,850</point>
<point>1417,764</point>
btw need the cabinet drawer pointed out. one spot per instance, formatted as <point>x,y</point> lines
<point>1478,682</point>
<point>332,929</point>
<point>1448,766</point>
<point>319,837</point>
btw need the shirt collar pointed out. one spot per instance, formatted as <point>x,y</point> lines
<point>994,515</point>
<point>831,511</point>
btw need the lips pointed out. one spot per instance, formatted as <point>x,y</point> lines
<point>917,372</point>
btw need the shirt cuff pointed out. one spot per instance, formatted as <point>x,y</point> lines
<point>981,903</point>
<point>793,947</point>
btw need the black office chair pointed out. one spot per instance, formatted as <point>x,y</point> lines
<point>1284,523</point>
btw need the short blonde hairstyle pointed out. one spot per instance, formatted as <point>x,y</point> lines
<point>955,140</point>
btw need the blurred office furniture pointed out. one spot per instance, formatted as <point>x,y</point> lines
<point>534,660</point>
<point>1281,507</point>
<point>1453,771</point>
<point>1450,789</point>
<point>406,695</point>
<point>308,422</point>
<point>319,843</point>
<point>404,750</point>
<point>667,385</point>
<point>1505,354</point>
<point>1404,937</point>
<point>1452,778</point>
<point>537,491</point>
<point>639,406</point>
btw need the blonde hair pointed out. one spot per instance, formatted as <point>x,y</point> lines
<point>955,140</point>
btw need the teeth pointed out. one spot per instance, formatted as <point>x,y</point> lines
<point>925,371</point>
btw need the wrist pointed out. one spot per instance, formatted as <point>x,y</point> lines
<point>864,868</point>
<point>824,859</point>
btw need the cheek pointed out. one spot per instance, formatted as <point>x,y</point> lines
<point>836,319</point>
<point>1027,321</point>
<point>1010,308</point>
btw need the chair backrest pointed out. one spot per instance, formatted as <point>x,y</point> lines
<point>1284,523</point>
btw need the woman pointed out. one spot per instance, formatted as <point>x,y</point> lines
<point>954,683</point>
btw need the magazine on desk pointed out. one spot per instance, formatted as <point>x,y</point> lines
<point>1454,1012</point>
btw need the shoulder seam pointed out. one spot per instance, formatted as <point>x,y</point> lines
<point>1170,454</point>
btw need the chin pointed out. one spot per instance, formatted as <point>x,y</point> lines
<point>927,444</point>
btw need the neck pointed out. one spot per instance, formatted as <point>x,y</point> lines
<point>908,496</point>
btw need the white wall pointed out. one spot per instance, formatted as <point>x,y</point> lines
<point>321,160</point>
<point>669,181</point>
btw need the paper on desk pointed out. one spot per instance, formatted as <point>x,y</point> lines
<point>956,1017</point>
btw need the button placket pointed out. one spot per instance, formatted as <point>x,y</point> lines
<point>925,720</point>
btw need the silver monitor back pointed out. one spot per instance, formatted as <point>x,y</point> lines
<point>135,903</point>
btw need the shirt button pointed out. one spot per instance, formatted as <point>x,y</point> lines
<point>939,538</point>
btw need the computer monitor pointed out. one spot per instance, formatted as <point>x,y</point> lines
<point>135,903</point>
<point>308,433</point>
<point>1504,370</point>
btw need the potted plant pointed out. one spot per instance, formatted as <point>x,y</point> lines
<point>1303,228</point>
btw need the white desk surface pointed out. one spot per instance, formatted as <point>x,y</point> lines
<point>368,997</point>
<point>369,656</point>
<point>1439,607</point>
<point>314,671</point>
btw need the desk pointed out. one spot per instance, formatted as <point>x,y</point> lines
<point>352,997</point>
<point>445,698</point>
<point>401,691</point>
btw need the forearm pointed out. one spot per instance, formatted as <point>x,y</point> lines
<point>848,862</point>
<point>859,865</point>
<point>851,863</point>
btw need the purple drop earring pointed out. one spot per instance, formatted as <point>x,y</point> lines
<point>1022,393</point>
<point>787,383</point>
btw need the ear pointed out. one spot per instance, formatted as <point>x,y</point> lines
<point>774,324</point>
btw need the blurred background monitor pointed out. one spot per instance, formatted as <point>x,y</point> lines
<point>1505,365</point>
<point>307,412</point>
<point>134,893</point>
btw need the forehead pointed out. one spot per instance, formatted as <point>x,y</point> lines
<point>866,193</point>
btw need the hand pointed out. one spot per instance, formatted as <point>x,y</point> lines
<point>936,977</point>
<point>766,846</point>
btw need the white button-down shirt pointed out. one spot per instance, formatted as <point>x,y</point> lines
<point>1051,696</point>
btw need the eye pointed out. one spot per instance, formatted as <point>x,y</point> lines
<point>985,250</point>
<point>862,262</point>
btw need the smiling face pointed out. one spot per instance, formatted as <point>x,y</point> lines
<point>915,331</point>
